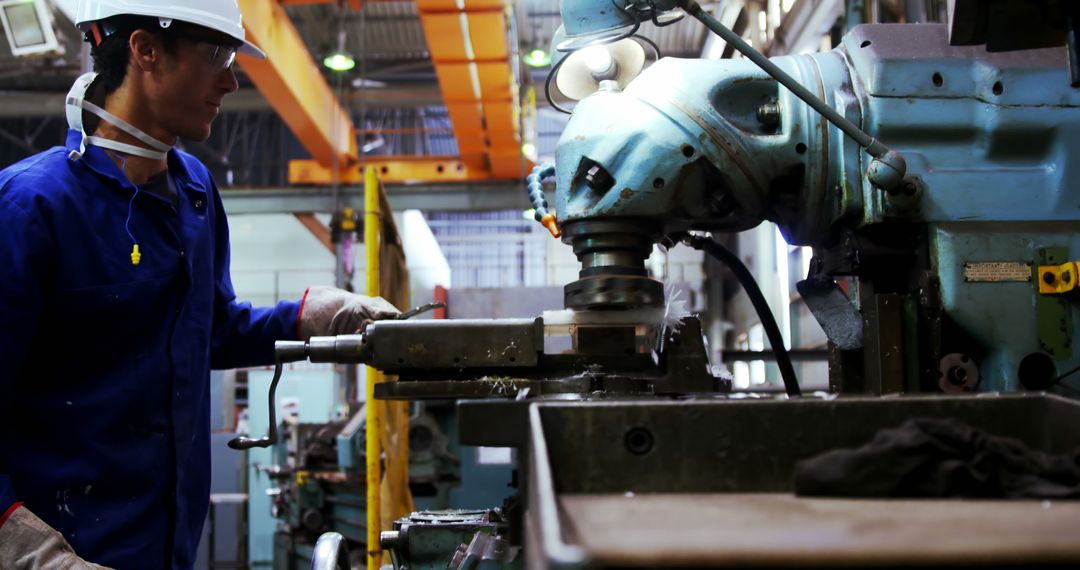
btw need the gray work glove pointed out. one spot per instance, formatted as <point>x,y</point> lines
<point>27,543</point>
<point>330,312</point>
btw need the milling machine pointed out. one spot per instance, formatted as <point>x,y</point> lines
<point>963,265</point>
<point>960,236</point>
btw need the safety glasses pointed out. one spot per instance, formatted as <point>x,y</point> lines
<point>216,55</point>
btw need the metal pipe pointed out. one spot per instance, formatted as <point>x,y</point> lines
<point>373,425</point>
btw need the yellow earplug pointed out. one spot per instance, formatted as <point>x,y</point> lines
<point>136,257</point>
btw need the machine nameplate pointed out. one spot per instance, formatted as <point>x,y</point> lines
<point>997,272</point>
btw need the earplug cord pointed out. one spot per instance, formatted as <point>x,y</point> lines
<point>136,256</point>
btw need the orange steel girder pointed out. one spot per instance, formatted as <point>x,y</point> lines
<point>291,80</point>
<point>469,46</point>
<point>353,4</point>
<point>479,88</point>
<point>391,170</point>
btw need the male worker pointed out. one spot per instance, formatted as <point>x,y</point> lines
<point>116,300</point>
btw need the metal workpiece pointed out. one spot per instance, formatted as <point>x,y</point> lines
<point>459,344</point>
<point>627,352</point>
<point>607,364</point>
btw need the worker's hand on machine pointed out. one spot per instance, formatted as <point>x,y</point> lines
<point>27,543</point>
<point>330,312</point>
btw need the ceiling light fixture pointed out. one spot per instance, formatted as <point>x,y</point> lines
<point>538,58</point>
<point>339,61</point>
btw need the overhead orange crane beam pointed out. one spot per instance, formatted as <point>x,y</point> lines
<point>290,79</point>
<point>391,170</point>
<point>469,44</point>
<point>470,48</point>
<point>353,4</point>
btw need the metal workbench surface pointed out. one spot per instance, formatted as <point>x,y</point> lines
<point>781,530</point>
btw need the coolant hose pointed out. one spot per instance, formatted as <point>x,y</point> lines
<point>768,321</point>
<point>535,186</point>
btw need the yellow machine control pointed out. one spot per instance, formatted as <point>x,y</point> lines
<point>1058,279</point>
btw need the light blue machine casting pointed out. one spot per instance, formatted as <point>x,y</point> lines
<point>944,262</point>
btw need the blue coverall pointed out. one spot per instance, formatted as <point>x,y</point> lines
<point>104,365</point>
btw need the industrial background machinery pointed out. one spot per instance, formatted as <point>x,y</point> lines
<point>319,480</point>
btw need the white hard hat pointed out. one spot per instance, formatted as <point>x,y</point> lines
<point>219,15</point>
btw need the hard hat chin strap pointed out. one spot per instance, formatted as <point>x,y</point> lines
<point>160,149</point>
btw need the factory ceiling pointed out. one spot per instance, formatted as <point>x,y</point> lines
<point>396,91</point>
<point>387,38</point>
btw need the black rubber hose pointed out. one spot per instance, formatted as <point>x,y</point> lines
<point>768,321</point>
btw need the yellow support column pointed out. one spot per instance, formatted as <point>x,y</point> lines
<point>374,424</point>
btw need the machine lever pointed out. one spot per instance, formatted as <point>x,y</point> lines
<point>339,349</point>
<point>243,443</point>
<point>331,553</point>
<point>420,310</point>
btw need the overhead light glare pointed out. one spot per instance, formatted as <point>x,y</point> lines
<point>538,58</point>
<point>340,62</point>
<point>370,83</point>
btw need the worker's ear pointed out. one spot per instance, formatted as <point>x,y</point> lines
<point>146,49</point>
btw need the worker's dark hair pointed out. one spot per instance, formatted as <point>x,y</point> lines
<point>112,56</point>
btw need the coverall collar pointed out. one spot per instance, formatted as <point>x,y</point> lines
<point>101,163</point>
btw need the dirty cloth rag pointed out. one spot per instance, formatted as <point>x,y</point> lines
<point>932,457</point>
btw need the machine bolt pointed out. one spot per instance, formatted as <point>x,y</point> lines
<point>1066,277</point>
<point>769,114</point>
<point>598,179</point>
<point>1049,278</point>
